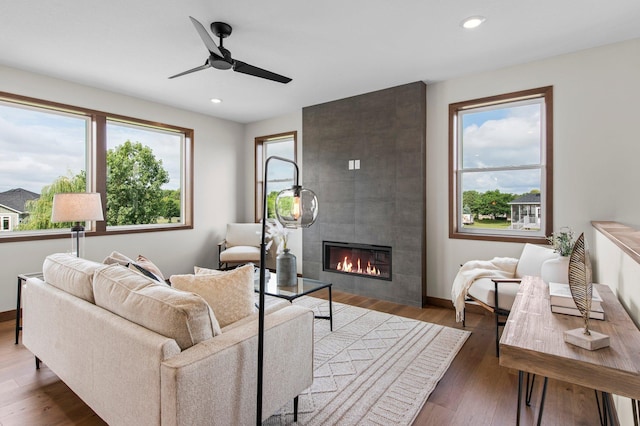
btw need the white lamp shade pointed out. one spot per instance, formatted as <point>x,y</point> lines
<point>76,207</point>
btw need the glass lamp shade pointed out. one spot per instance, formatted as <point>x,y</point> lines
<point>296,207</point>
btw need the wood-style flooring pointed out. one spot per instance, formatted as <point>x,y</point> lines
<point>474,391</point>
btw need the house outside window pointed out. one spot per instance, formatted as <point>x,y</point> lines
<point>281,174</point>
<point>501,167</point>
<point>52,148</point>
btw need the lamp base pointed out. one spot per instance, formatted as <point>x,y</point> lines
<point>590,342</point>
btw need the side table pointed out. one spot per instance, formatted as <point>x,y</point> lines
<point>22,278</point>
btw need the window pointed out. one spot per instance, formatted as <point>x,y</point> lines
<point>5,223</point>
<point>144,175</point>
<point>281,174</point>
<point>500,150</point>
<point>142,168</point>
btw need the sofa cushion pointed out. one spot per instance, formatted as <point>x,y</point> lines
<point>230,293</point>
<point>71,274</point>
<point>483,289</point>
<point>182,316</point>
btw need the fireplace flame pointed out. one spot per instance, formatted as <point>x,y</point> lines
<point>347,266</point>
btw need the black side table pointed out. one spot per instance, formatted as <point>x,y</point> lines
<point>22,278</point>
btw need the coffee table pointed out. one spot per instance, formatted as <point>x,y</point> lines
<point>304,287</point>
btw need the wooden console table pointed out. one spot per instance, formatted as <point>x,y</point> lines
<point>532,341</point>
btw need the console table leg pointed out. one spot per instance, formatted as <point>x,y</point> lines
<point>530,388</point>
<point>295,409</point>
<point>520,374</point>
<point>634,405</point>
<point>544,394</point>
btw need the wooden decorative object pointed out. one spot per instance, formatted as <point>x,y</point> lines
<point>581,286</point>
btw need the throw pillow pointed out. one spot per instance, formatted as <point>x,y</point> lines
<point>205,271</point>
<point>149,266</point>
<point>230,293</point>
<point>117,257</point>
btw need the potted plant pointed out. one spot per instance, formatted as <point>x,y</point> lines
<point>557,270</point>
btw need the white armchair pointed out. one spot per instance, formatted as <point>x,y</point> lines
<point>497,291</point>
<point>241,244</point>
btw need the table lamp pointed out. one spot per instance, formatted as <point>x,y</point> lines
<point>77,207</point>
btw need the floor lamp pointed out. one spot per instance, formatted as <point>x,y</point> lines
<point>295,207</point>
<point>76,207</point>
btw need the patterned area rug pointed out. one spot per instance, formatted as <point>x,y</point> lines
<point>373,369</point>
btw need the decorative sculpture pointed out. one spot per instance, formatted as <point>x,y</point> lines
<point>581,286</point>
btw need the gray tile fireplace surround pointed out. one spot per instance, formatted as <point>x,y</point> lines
<point>383,202</point>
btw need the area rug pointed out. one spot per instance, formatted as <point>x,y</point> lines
<point>374,368</point>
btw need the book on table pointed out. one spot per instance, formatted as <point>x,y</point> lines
<point>562,302</point>
<point>575,312</point>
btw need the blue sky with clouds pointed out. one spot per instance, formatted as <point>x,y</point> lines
<point>36,148</point>
<point>502,137</point>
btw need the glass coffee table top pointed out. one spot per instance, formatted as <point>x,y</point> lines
<point>303,287</point>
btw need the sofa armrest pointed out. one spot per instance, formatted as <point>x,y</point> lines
<point>108,361</point>
<point>214,382</point>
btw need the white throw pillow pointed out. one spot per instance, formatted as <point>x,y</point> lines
<point>229,293</point>
<point>206,271</point>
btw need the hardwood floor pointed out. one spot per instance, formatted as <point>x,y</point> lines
<point>474,391</point>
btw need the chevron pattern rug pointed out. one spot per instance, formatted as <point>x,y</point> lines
<point>373,369</point>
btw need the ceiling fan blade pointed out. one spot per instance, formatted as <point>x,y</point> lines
<point>200,68</point>
<point>245,68</point>
<point>206,38</point>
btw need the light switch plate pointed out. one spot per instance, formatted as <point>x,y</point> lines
<point>350,164</point>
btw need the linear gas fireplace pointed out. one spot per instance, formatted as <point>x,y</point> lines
<point>357,259</point>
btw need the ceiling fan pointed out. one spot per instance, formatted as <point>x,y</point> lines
<point>220,58</point>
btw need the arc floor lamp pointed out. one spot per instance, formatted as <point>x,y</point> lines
<point>295,207</point>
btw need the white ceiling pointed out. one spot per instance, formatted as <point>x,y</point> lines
<point>332,48</point>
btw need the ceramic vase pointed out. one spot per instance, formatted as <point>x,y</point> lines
<point>286,269</point>
<point>555,270</point>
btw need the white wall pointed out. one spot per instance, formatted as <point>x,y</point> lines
<point>286,123</point>
<point>619,271</point>
<point>596,148</point>
<point>218,175</point>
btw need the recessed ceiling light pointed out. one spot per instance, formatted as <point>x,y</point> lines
<point>473,22</point>
<point>216,100</point>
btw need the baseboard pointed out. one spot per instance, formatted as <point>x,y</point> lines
<point>8,316</point>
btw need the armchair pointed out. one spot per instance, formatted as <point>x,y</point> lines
<point>241,244</point>
<point>493,284</point>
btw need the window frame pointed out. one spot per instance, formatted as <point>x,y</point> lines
<point>96,164</point>
<point>546,166</point>
<point>259,161</point>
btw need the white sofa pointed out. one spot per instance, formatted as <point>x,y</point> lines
<point>129,374</point>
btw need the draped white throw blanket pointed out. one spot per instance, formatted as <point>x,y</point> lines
<point>498,267</point>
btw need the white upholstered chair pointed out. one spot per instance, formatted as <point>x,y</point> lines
<point>497,294</point>
<point>241,244</point>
